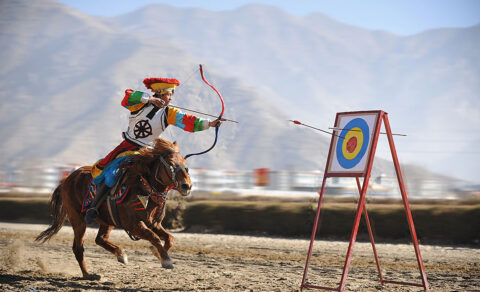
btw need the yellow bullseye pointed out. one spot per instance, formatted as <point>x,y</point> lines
<point>352,143</point>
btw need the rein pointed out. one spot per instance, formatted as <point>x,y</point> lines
<point>156,196</point>
<point>160,197</point>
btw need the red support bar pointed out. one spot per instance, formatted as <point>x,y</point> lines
<point>411,225</point>
<point>353,235</point>
<point>361,203</point>
<point>404,283</point>
<point>314,231</point>
<point>370,234</point>
<point>320,287</point>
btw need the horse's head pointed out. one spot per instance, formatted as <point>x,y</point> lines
<point>168,168</point>
<point>172,170</point>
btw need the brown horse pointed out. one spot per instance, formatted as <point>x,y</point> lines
<point>152,172</point>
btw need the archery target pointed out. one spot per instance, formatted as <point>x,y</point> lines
<point>351,142</point>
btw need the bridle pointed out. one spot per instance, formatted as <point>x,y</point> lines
<point>160,197</point>
<point>173,169</point>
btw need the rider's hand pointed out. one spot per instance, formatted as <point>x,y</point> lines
<point>216,123</point>
<point>157,102</point>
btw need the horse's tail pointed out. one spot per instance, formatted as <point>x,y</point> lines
<point>58,213</point>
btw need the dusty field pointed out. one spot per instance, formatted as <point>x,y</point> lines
<point>223,263</point>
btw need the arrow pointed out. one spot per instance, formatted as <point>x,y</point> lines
<point>340,129</point>
<point>302,124</point>
<point>186,109</point>
<point>335,129</point>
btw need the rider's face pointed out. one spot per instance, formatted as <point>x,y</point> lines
<point>166,97</point>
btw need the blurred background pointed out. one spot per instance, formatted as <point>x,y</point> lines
<point>66,64</point>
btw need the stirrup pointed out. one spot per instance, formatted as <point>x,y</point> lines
<point>90,215</point>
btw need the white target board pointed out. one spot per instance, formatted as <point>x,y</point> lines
<point>351,145</point>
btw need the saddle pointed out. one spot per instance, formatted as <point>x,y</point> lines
<point>115,194</point>
<point>119,192</point>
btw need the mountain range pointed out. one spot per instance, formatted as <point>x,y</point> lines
<point>63,75</point>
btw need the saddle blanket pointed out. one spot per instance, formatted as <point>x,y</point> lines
<point>111,173</point>
<point>119,196</point>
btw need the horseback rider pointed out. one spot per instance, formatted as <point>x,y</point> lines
<point>149,117</point>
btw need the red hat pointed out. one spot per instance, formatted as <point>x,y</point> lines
<point>160,84</point>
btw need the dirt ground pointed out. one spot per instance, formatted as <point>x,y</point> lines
<point>224,263</point>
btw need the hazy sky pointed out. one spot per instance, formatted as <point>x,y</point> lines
<point>402,17</point>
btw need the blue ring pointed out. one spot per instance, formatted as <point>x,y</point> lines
<point>350,163</point>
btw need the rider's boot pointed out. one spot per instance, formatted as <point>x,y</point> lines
<point>92,211</point>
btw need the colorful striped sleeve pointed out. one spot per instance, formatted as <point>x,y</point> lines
<point>187,122</point>
<point>134,100</point>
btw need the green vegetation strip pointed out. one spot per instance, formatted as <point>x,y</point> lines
<point>434,223</point>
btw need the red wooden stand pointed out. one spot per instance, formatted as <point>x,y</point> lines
<point>362,209</point>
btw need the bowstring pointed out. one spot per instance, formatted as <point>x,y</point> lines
<point>189,77</point>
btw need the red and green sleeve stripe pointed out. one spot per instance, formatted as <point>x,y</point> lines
<point>132,100</point>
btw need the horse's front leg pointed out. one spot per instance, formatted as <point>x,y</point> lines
<point>102,240</point>
<point>142,231</point>
<point>164,235</point>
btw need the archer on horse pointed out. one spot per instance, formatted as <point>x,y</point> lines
<point>138,205</point>
<point>149,117</point>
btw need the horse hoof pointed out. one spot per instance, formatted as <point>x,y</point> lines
<point>122,257</point>
<point>93,277</point>
<point>167,263</point>
<point>167,266</point>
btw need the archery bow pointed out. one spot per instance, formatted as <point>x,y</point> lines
<point>219,116</point>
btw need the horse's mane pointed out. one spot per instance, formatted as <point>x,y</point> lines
<point>139,164</point>
<point>159,146</point>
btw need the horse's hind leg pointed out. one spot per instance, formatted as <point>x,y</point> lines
<point>102,240</point>
<point>79,228</point>
<point>142,231</point>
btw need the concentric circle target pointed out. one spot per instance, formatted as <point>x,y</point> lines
<point>352,143</point>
